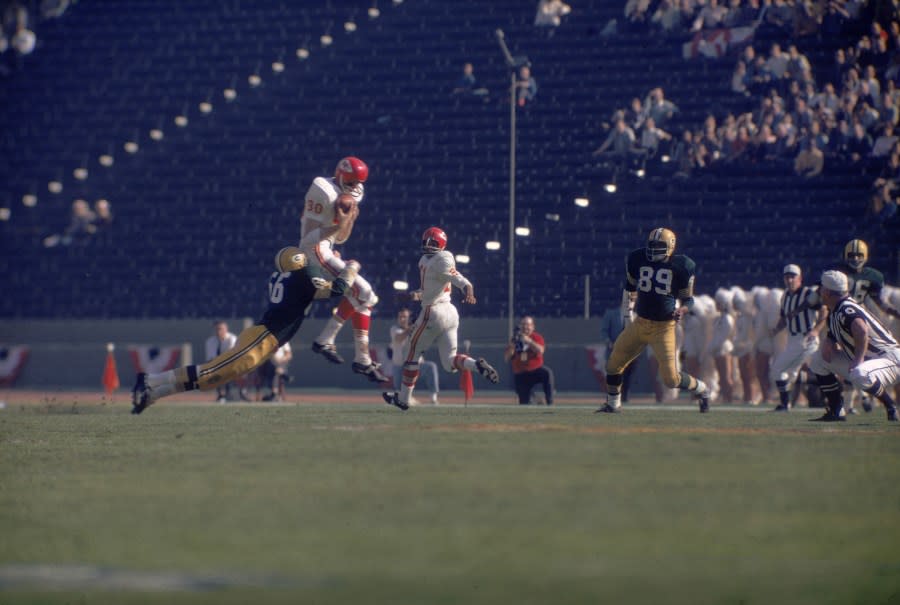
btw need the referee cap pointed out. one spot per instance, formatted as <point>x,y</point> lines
<point>835,281</point>
<point>791,269</point>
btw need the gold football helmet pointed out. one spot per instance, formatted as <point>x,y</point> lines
<point>660,244</point>
<point>856,253</point>
<point>290,259</point>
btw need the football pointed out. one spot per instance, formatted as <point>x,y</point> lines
<point>345,202</point>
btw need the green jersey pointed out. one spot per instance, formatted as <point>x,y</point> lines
<point>659,283</point>
<point>865,283</point>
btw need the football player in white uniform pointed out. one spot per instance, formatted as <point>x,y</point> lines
<point>439,319</point>
<point>317,242</point>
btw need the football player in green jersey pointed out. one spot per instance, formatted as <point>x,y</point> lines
<point>292,288</point>
<point>657,280</point>
<point>866,283</point>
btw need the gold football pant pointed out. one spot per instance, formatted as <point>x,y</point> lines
<point>254,345</point>
<point>660,336</point>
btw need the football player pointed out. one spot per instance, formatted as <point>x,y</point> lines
<point>657,280</point>
<point>866,284</point>
<point>317,241</point>
<point>858,348</point>
<point>292,288</point>
<point>438,319</point>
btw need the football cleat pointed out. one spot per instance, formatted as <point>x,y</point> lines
<point>371,371</point>
<point>830,416</point>
<point>394,400</point>
<point>866,404</point>
<point>487,370</point>
<point>704,402</point>
<point>607,409</point>
<point>140,394</point>
<point>892,414</point>
<point>329,352</point>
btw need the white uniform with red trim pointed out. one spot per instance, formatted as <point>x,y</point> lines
<point>439,319</point>
<point>319,211</point>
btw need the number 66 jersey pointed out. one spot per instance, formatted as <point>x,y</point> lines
<point>658,283</point>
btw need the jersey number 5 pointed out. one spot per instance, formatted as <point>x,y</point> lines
<point>661,282</point>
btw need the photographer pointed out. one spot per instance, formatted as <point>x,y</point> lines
<point>526,353</point>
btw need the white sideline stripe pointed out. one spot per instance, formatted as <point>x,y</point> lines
<point>49,576</point>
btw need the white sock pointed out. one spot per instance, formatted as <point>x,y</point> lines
<point>361,342</point>
<point>154,381</point>
<point>701,389</point>
<point>329,332</point>
<point>614,400</point>
<point>406,393</point>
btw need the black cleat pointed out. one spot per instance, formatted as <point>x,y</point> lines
<point>607,409</point>
<point>829,416</point>
<point>487,370</point>
<point>704,402</point>
<point>394,400</point>
<point>892,414</point>
<point>370,371</point>
<point>140,394</point>
<point>867,404</point>
<point>329,352</point>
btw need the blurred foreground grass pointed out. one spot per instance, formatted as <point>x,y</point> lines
<point>352,504</point>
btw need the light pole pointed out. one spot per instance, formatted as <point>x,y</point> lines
<point>513,63</point>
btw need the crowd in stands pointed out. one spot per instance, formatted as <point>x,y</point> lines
<point>18,22</point>
<point>840,114</point>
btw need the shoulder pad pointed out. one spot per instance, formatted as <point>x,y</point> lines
<point>684,262</point>
<point>322,190</point>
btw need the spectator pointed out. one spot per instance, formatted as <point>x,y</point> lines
<point>650,139</point>
<point>550,13</point>
<point>221,341</point>
<point>400,333</point>
<point>80,227</point>
<point>637,12</point>
<point>810,161</point>
<point>467,83</point>
<point>669,17</point>
<point>526,86</point>
<point>619,142</point>
<point>526,353</point>
<point>885,143</point>
<point>659,108</point>
<point>710,16</point>
<point>687,155</point>
<point>739,79</point>
<point>273,374</point>
<point>103,216</point>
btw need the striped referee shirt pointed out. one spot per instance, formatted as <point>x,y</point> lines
<point>805,320</point>
<point>842,317</point>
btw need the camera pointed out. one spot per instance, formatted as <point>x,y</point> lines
<point>519,343</point>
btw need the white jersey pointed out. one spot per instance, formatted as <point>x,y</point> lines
<point>438,273</point>
<point>318,208</point>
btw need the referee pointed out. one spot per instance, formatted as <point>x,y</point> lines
<point>804,317</point>
<point>858,348</point>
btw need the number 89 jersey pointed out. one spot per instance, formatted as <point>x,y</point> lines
<point>658,283</point>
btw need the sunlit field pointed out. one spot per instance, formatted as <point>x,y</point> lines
<point>361,503</point>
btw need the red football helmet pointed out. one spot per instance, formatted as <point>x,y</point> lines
<point>433,240</point>
<point>350,173</point>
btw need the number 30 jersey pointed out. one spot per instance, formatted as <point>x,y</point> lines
<point>659,284</point>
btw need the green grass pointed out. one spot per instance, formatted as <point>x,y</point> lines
<point>352,504</point>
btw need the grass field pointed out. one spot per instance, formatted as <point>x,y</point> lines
<point>361,503</point>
